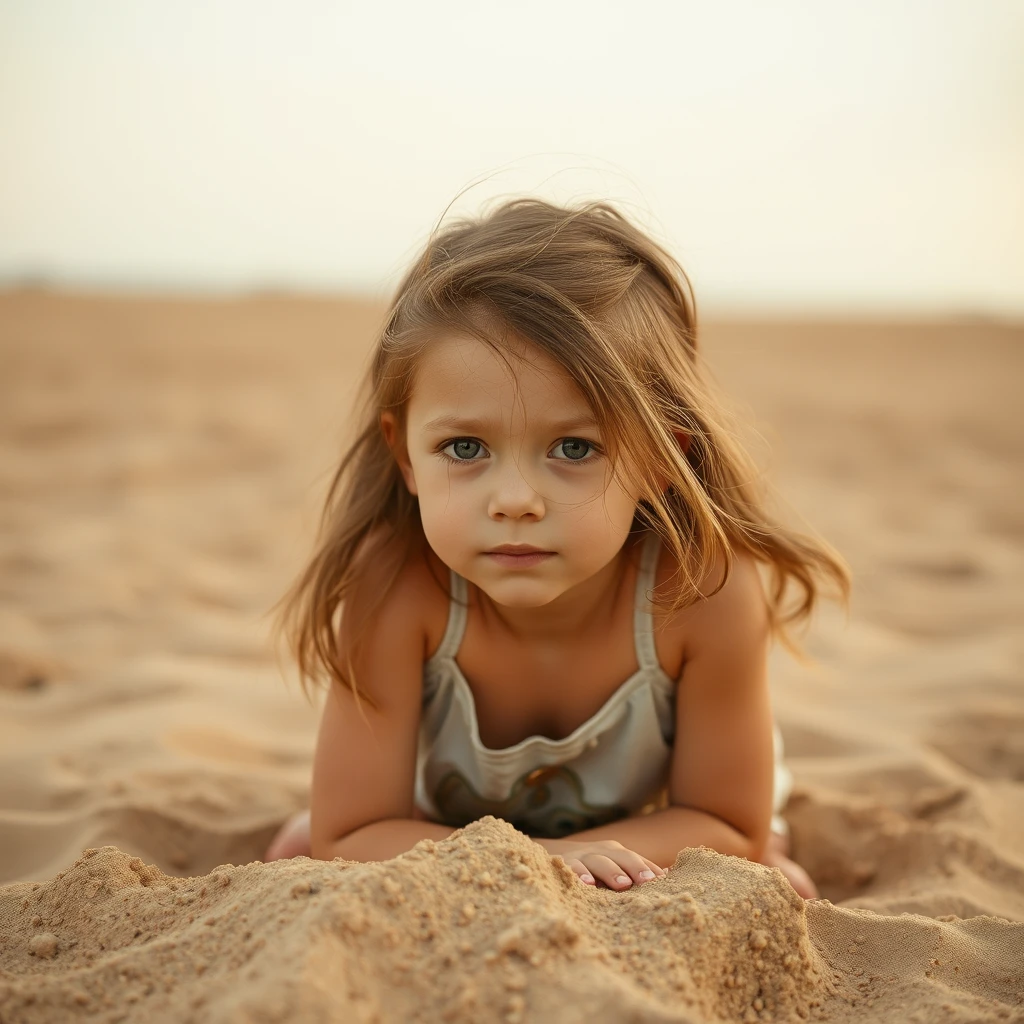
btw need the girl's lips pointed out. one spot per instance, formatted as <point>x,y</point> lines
<point>523,560</point>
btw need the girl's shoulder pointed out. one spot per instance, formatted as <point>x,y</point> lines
<point>408,588</point>
<point>737,605</point>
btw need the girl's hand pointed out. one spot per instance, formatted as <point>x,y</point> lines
<point>603,861</point>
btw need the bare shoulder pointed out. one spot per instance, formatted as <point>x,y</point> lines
<point>728,612</point>
<point>414,603</point>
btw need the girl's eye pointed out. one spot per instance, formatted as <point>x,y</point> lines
<point>463,450</point>
<point>575,449</point>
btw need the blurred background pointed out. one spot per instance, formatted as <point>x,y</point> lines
<point>796,156</point>
<point>202,208</point>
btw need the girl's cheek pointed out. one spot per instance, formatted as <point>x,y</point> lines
<point>446,514</point>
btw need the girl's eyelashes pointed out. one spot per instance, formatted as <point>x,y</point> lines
<point>568,449</point>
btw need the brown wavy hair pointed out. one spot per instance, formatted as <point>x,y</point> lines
<point>617,313</point>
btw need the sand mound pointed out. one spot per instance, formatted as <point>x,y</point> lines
<point>484,925</point>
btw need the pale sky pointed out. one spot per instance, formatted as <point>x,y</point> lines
<point>820,155</point>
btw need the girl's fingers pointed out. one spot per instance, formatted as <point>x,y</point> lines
<point>659,872</point>
<point>626,870</point>
<point>636,868</point>
<point>615,876</point>
<point>631,869</point>
<point>581,869</point>
<point>639,869</point>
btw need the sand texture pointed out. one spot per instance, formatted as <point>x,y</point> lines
<point>161,468</point>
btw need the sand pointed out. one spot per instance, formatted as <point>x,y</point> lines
<point>161,465</point>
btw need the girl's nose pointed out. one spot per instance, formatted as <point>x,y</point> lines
<point>514,497</point>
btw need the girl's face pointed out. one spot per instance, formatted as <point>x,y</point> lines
<point>509,457</point>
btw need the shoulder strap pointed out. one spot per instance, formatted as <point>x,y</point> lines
<point>643,620</point>
<point>457,606</point>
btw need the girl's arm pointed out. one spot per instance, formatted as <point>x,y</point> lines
<point>382,840</point>
<point>660,835</point>
<point>364,765</point>
<point>723,764</point>
<point>722,771</point>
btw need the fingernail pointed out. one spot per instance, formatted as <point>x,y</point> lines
<point>645,875</point>
<point>622,880</point>
<point>587,879</point>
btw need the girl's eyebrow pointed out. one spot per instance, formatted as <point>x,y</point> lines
<point>470,425</point>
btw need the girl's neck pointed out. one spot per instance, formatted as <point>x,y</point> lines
<point>578,612</point>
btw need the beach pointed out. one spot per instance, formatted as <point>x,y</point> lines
<point>162,467</point>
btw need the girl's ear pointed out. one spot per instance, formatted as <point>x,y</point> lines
<point>392,436</point>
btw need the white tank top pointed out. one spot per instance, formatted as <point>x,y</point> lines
<point>615,764</point>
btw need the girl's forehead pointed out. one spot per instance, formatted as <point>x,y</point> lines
<point>463,371</point>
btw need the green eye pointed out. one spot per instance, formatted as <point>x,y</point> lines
<point>465,449</point>
<point>575,448</point>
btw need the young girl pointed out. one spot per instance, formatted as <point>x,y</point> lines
<point>538,592</point>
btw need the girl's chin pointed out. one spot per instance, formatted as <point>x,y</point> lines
<point>520,593</point>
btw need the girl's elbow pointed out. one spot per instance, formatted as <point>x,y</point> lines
<point>757,845</point>
<point>325,847</point>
